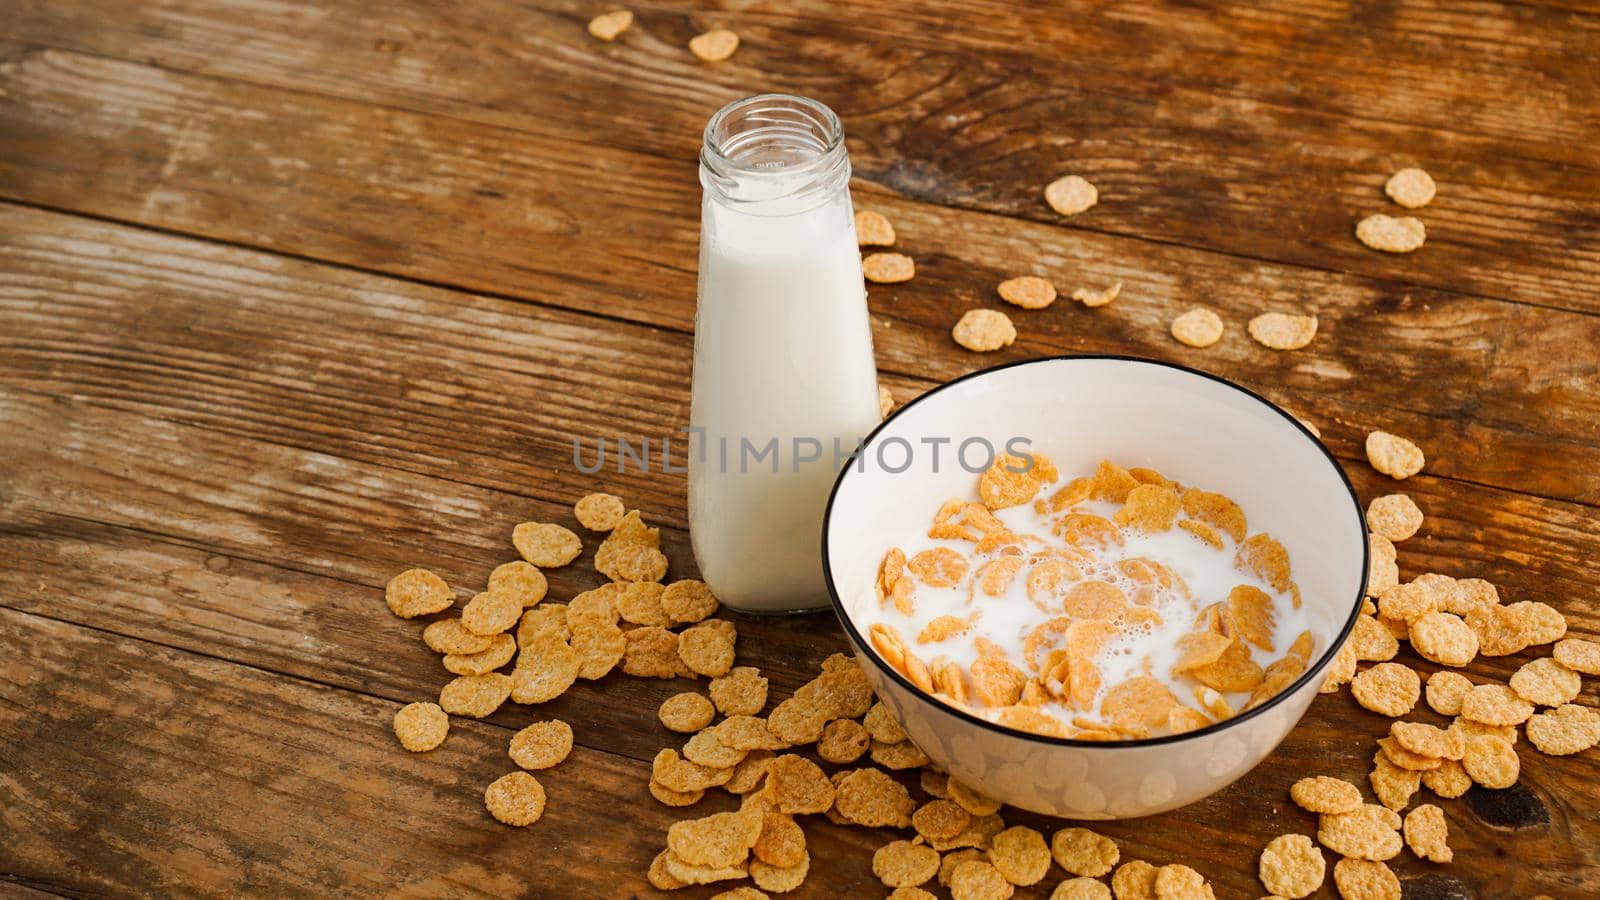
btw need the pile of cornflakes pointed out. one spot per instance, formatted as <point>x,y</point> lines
<point>1084,589</point>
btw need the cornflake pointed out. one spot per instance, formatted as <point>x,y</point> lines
<point>843,741</point>
<point>475,695</point>
<point>1134,880</point>
<point>1197,328</point>
<point>1410,187</point>
<point>515,799</point>
<point>1083,852</point>
<point>490,613</point>
<point>1495,704</point>
<point>520,579</point>
<point>1565,730</point>
<point>749,772</point>
<point>1389,689</point>
<point>940,820</point>
<point>1179,882</point>
<point>1097,299</point>
<point>1326,794</point>
<point>1371,641</point>
<point>1070,195</point>
<point>873,229</point>
<point>1369,832</point>
<point>1578,655</point>
<point>1426,834</point>
<point>450,636</point>
<point>1019,853</point>
<point>795,785</point>
<point>651,653</point>
<point>1082,889</point>
<point>779,880</point>
<point>1391,784</point>
<point>715,45</point>
<point>719,840</point>
<point>904,864</point>
<point>1291,866</point>
<point>1394,456</point>
<point>742,892</point>
<point>1541,622</point>
<point>600,512</point>
<point>1491,761</point>
<point>741,692</point>
<point>1546,682</point>
<point>543,672</point>
<point>871,798</point>
<point>1444,638</point>
<point>1395,516</point>
<point>888,268</point>
<point>984,330</point>
<point>1365,879</point>
<point>546,545</point>
<point>781,842</point>
<point>706,650</point>
<point>501,648</point>
<point>421,727</point>
<point>1283,331</point>
<point>686,713</point>
<point>1391,234</point>
<point>417,592</point>
<point>673,771</point>
<point>542,744</point>
<point>688,600</point>
<point>608,26</point>
<point>978,880</point>
<point>1427,740</point>
<point>1449,780</point>
<point>1027,291</point>
<point>904,755</point>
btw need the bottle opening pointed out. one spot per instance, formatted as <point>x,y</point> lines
<point>778,150</point>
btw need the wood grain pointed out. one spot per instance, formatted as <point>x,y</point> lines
<point>1214,145</point>
<point>1507,383</point>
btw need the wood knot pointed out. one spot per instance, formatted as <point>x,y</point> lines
<point>1435,887</point>
<point>1513,807</point>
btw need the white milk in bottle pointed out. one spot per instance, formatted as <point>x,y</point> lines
<point>783,365</point>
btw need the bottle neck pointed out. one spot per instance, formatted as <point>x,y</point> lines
<point>774,155</point>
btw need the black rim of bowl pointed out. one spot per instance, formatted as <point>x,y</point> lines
<point>1311,672</point>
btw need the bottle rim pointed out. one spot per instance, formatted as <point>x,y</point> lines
<point>733,167</point>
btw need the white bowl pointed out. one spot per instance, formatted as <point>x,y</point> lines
<point>1193,427</point>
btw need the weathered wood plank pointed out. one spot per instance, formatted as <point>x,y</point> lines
<point>1507,384</point>
<point>1205,149</point>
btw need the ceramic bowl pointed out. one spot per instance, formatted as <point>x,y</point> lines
<point>1193,427</point>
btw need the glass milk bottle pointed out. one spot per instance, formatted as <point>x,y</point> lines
<point>784,379</point>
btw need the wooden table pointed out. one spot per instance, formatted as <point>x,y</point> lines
<point>296,296</point>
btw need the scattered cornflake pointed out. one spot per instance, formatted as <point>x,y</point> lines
<point>421,726</point>
<point>1283,331</point>
<point>871,798</point>
<point>885,402</point>
<point>686,713</point>
<point>670,797</point>
<point>1081,889</point>
<point>940,820</point>
<point>1391,784</point>
<point>749,772</point>
<point>490,613</point>
<point>1326,794</point>
<point>652,653</point>
<point>1291,866</point>
<point>1364,879</point>
<point>873,229</point>
<point>972,801</point>
<point>1410,187</point>
<point>782,842</point>
<point>888,268</point>
<point>599,512</point>
<point>1197,328</point>
<point>1179,882</point>
<point>742,892</point>
<point>796,785</point>
<point>1565,730</point>
<point>417,592</point>
<point>1546,682</point>
<point>688,600</point>
<point>520,579</point>
<point>1444,638</point>
<point>1391,234</point>
<point>542,744</point>
<point>543,672</point>
<point>1371,641</point>
<point>984,330</point>
<point>715,45</point>
<point>1134,880</point>
<point>1102,297</point>
<point>1081,851</point>
<point>1491,761</point>
<point>1395,516</point>
<point>979,880</point>
<point>1070,195</point>
<point>904,864</point>
<point>1020,854</point>
<point>1370,832</point>
<point>1394,456</point>
<point>515,799</point>
<point>1426,834</point>
<point>706,650</point>
<point>1449,780</point>
<point>843,741</point>
<point>609,26</point>
<point>501,648</point>
<point>779,879</point>
<point>1578,655</point>
<point>1027,291</point>
<point>1495,704</point>
<point>450,636</point>
<point>475,695</point>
